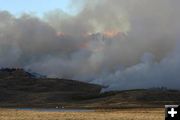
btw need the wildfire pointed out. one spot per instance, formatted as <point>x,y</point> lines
<point>60,34</point>
<point>111,33</point>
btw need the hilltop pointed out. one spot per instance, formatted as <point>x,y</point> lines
<point>19,88</point>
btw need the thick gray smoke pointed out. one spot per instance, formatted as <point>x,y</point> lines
<point>122,44</point>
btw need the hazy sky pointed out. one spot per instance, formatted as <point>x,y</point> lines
<point>38,6</point>
<point>122,44</point>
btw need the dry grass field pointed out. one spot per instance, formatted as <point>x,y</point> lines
<point>128,114</point>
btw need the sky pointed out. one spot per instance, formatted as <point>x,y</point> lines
<point>37,7</point>
<point>122,44</point>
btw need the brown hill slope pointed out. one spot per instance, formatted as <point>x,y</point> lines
<point>18,87</point>
<point>135,98</point>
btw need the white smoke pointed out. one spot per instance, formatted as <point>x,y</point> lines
<point>122,44</point>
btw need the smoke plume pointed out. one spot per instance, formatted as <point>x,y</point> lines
<point>122,44</point>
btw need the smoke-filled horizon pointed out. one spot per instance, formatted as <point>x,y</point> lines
<point>122,44</point>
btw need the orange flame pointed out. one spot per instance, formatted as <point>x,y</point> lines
<point>60,34</point>
<point>111,33</point>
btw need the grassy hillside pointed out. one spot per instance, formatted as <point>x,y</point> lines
<point>19,88</point>
<point>136,99</point>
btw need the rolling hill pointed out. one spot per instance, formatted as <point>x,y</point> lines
<point>19,88</point>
